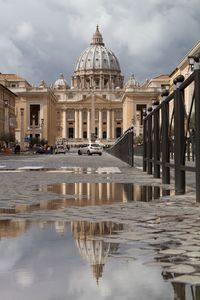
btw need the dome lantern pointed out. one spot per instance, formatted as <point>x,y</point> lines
<point>97,38</point>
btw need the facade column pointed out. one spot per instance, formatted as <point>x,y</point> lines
<point>64,188</point>
<point>108,190</point>
<point>93,116</point>
<point>80,124</point>
<point>80,190</point>
<point>108,124</point>
<point>100,124</point>
<point>88,125</point>
<point>113,125</point>
<point>100,191</point>
<point>88,191</point>
<point>101,82</point>
<point>64,133</point>
<point>76,124</point>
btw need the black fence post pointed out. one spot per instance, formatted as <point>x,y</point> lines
<point>179,137</point>
<point>197,122</point>
<point>123,147</point>
<point>156,140</point>
<point>144,141</point>
<point>165,143</point>
<point>130,147</point>
<point>149,142</point>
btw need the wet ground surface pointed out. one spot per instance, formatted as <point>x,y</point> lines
<point>84,227</point>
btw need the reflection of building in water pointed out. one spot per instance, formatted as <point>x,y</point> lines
<point>95,251</point>
<point>180,293</point>
<point>60,227</point>
<point>85,194</point>
<point>9,228</point>
<point>82,194</point>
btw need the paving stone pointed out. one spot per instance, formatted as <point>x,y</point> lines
<point>193,254</point>
<point>180,269</point>
<point>172,251</point>
<point>187,279</point>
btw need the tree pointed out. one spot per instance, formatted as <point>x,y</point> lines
<point>7,137</point>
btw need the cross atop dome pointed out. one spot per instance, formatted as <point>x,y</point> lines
<point>97,38</point>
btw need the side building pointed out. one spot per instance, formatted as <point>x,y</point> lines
<point>35,110</point>
<point>7,115</point>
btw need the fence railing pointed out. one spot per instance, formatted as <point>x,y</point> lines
<point>123,147</point>
<point>171,133</point>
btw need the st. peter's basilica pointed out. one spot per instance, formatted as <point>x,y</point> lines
<point>96,104</point>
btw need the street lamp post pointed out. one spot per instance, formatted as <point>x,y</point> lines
<point>33,126</point>
<point>22,128</point>
<point>42,129</point>
<point>6,120</point>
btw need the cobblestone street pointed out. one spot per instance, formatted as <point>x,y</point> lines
<point>166,230</point>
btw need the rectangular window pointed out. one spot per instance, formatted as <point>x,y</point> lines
<point>34,114</point>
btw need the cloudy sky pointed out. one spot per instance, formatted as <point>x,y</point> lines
<point>42,38</point>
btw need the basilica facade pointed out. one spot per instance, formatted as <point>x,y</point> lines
<point>91,107</point>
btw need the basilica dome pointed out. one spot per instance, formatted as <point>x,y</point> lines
<point>97,66</point>
<point>61,83</point>
<point>97,56</point>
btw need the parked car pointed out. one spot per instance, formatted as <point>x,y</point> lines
<point>90,149</point>
<point>39,149</point>
<point>60,149</point>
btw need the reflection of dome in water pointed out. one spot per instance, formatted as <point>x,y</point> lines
<point>95,252</point>
<point>60,227</point>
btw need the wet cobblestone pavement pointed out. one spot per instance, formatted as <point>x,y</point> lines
<point>165,230</point>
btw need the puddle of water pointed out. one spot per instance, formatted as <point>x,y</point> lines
<point>86,194</point>
<point>58,260</point>
<point>30,168</point>
<point>103,193</point>
<point>74,170</point>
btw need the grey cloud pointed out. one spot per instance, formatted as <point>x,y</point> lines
<point>148,37</point>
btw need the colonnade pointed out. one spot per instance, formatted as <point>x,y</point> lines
<point>79,122</point>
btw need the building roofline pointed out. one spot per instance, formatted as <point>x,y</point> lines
<point>8,89</point>
<point>13,77</point>
<point>185,58</point>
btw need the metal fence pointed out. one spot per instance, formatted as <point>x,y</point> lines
<point>123,147</point>
<point>171,132</point>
